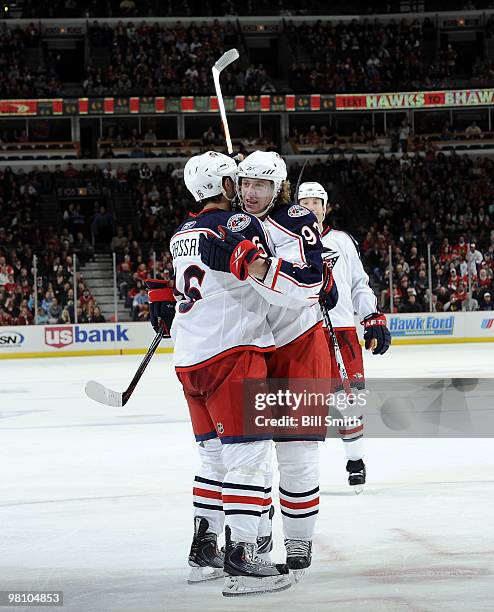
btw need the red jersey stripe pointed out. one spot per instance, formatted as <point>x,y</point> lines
<point>243,499</point>
<point>206,493</point>
<point>299,505</point>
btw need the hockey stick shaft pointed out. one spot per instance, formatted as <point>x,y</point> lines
<point>225,60</point>
<point>99,393</point>
<point>337,351</point>
<point>299,180</point>
<point>144,364</point>
<point>221,105</point>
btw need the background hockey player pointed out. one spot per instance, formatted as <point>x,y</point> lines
<point>354,295</point>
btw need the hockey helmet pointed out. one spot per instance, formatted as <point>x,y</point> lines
<point>264,165</point>
<point>313,190</point>
<point>204,174</point>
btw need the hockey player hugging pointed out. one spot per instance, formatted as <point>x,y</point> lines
<point>247,290</point>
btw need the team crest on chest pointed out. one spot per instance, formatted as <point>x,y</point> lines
<point>188,225</point>
<point>331,257</point>
<point>298,211</point>
<point>238,222</point>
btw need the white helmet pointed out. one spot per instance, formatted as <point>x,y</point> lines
<point>266,165</point>
<point>204,174</point>
<point>313,190</point>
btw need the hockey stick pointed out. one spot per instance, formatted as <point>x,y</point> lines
<point>327,319</point>
<point>337,351</point>
<point>225,60</point>
<point>299,180</point>
<point>99,393</point>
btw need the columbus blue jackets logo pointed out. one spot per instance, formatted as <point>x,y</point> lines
<point>331,257</point>
<point>238,222</point>
<point>188,225</point>
<point>297,211</point>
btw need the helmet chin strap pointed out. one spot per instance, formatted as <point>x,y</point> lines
<point>225,195</point>
<point>263,213</point>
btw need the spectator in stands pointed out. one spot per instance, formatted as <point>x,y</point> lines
<point>140,305</point>
<point>54,311</point>
<point>119,242</point>
<point>42,317</point>
<point>473,131</point>
<point>83,249</point>
<point>101,225</point>
<point>486,301</point>
<point>96,316</point>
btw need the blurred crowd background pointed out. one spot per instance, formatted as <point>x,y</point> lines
<point>414,188</point>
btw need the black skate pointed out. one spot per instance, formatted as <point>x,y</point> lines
<point>298,556</point>
<point>248,574</point>
<point>205,559</point>
<point>356,475</point>
<point>265,543</point>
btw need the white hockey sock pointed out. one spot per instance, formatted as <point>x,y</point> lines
<point>265,523</point>
<point>354,449</point>
<point>208,484</point>
<point>247,464</point>
<point>298,463</point>
<point>352,436</point>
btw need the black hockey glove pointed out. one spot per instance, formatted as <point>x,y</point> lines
<point>161,304</point>
<point>376,333</point>
<point>329,291</point>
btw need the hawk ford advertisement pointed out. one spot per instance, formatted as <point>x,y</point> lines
<point>421,325</point>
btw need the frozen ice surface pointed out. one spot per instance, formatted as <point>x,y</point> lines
<point>95,501</point>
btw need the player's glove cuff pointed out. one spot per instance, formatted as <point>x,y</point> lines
<point>376,333</point>
<point>373,319</point>
<point>244,254</point>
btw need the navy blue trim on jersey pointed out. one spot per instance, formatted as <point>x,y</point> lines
<point>237,439</point>
<point>293,438</point>
<point>355,243</point>
<point>208,506</point>
<point>352,439</point>
<point>310,241</point>
<point>207,436</point>
<point>304,494</point>
<point>295,516</point>
<point>242,487</point>
<point>213,217</point>
<point>215,483</point>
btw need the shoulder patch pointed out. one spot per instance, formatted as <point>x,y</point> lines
<point>298,211</point>
<point>238,222</point>
<point>188,225</point>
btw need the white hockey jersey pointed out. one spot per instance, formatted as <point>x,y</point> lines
<point>216,314</point>
<point>354,294</point>
<point>295,238</point>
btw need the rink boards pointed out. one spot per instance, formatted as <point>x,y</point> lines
<point>132,338</point>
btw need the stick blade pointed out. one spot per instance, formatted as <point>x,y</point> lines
<point>226,59</point>
<point>98,393</point>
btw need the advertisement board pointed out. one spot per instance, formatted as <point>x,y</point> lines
<point>134,338</point>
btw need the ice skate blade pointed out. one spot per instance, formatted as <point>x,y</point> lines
<point>200,574</point>
<point>297,575</point>
<point>236,586</point>
<point>358,489</point>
